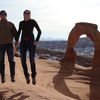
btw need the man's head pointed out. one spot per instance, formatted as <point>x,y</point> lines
<point>27,15</point>
<point>3,15</point>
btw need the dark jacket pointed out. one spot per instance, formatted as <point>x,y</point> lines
<point>7,32</point>
<point>27,27</point>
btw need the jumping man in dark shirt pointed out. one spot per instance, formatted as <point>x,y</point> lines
<point>7,33</point>
<point>28,41</point>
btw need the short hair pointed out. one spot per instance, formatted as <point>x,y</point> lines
<point>3,12</point>
<point>27,11</point>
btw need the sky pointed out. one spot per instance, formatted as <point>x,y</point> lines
<point>56,18</point>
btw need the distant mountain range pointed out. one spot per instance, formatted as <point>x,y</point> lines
<point>81,43</point>
<point>84,42</point>
<point>51,39</point>
<point>55,50</point>
<point>83,47</point>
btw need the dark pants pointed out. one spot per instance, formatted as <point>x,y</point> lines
<point>9,49</point>
<point>24,46</point>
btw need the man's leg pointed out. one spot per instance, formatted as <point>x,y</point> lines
<point>32,62</point>
<point>2,65</point>
<point>23,50</point>
<point>9,48</point>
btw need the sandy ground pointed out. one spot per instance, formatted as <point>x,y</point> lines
<point>55,81</point>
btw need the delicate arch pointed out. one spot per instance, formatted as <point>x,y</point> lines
<point>91,31</point>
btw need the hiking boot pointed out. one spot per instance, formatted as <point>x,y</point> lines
<point>2,79</point>
<point>27,80</point>
<point>13,79</point>
<point>33,80</point>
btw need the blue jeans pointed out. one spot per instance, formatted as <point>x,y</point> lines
<point>9,49</point>
<point>24,46</point>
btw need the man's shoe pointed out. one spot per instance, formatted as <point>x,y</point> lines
<point>12,79</point>
<point>33,80</point>
<point>27,80</point>
<point>2,79</point>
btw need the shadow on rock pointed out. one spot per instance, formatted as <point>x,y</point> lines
<point>59,80</point>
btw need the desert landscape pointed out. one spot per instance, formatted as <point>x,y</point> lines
<point>55,81</point>
<point>59,79</point>
<point>63,36</point>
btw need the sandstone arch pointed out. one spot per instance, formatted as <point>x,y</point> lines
<point>90,30</point>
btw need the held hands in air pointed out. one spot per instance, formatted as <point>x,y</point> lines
<point>17,44</point>
<point>35,43</point>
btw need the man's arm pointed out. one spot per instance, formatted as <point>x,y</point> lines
<point>14,31</point>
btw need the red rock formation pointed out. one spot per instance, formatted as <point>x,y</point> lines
<point>91,31</point>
